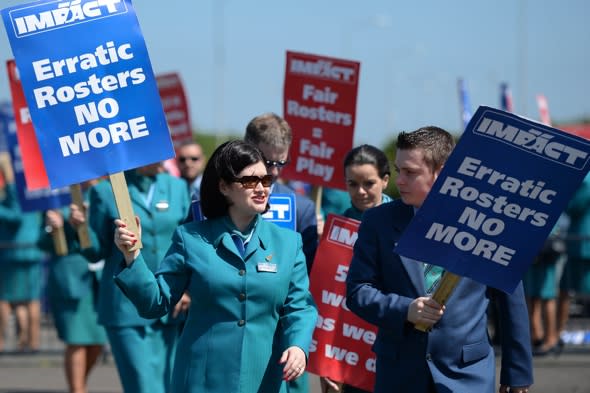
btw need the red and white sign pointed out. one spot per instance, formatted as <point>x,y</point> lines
<point>543,109</point>
<point>33,166</point>
<point>175,107</point>
<point>341,345</point>
<point>320,106</point>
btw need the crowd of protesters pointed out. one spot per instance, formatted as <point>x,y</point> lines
<point>174,311</point>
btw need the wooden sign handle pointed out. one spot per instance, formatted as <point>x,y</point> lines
<point>78,199</point>
<point>60,245</point>
<point>441,294</point>
<point>316,197</point>
<point>124,207</point>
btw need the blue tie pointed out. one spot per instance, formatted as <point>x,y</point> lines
<point>239,244</point>
<point>432,275</point>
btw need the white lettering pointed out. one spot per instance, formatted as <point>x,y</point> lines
<point>357,333</point>
<point>334,299</point>
<point>67,13</point>
<point>322,68</point>
<point>467,242</point>
<point>334,352</point>
<point>535,141</point>
<point>100,137</point>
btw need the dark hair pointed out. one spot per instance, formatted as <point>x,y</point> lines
<point>436,143</point>
<point>368,154</point>
<point>269,128</point>
<point>227,161</point>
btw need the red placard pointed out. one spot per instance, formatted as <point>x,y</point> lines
<point>320,106</point>
<point>341,345</point>
<point>33,166</point>
<point>175,107</point>
<point>582,130</point>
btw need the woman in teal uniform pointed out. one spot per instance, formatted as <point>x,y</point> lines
<point>245,276</point>
<point>576,274</point>
<point>20,267</point>
<point>540,288</point>
<point>366,171</point>
<point>72,288</point>
<point>143,348</point>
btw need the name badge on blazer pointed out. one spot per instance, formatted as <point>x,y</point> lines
<point>162,206</point>
<point>266,267</point>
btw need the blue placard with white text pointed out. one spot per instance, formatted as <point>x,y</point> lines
<point>41,199</point>
<point>282,211</point>
<point>503,189</point>
<point>93,99</point>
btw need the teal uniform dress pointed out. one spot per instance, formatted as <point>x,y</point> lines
<point>238,301</point>
<point>576,275</point>
<point>20,257</point>
<point>540,280</point>
<point>143,348</point>
<point>72,290</point>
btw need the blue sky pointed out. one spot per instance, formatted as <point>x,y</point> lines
<point>231,56</point>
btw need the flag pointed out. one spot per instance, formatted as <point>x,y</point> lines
<point>465,103</point>
<point>543,109</point>
<point>506,98</point>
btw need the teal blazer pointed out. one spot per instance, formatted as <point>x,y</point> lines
<point>237,304</point>
<point>19,231</point>
<point>168,208</point>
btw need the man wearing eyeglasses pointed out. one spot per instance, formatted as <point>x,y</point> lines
<point>273,136</point>
<point>191,163</point>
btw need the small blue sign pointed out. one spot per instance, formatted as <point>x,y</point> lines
<point>503,189</point>
<point>93,99</point>
<point>42,199</point>
<point>282,211</point>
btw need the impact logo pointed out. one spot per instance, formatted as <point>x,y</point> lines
<point>342,233</point>
<point>340,71</point>
<point>45,17</point>
<point>546,144</point>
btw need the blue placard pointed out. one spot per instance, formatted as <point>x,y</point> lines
<point>36,200</point>
<point>93,99</point>
<point>503,189</point>
<point>282,211</point>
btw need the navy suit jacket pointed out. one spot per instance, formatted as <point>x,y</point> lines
<point>307,223</point>
<point>457,352</point>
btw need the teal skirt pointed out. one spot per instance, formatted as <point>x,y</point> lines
<point>76,320</point>
<point>20,282</point>
<point>576,276</point>
<point>540,281</point>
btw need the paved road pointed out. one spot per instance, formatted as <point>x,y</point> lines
<point>42,373</point>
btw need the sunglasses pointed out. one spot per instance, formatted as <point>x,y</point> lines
<point>278,164</point>
<point>250,182</point>
<point>190,158</point>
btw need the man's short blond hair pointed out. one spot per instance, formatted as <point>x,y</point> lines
<point>269,128</point>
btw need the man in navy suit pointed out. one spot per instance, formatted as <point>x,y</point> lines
<point>388,291</point>
<point>272,135</point>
